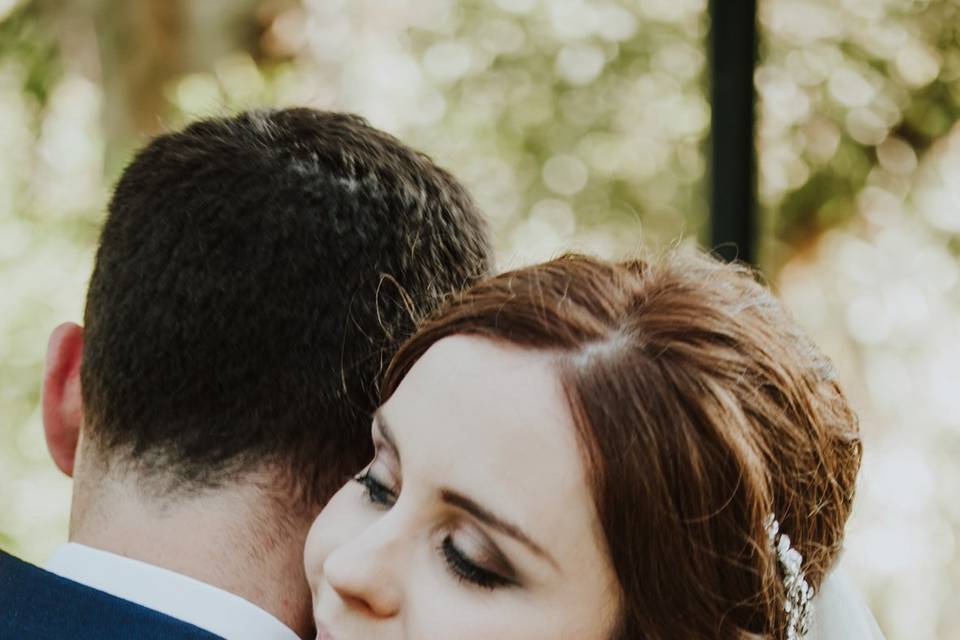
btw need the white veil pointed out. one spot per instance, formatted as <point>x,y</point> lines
<point>840,612</point>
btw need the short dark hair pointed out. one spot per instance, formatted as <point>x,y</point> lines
<point>701,409</point>
<point>254,275</point>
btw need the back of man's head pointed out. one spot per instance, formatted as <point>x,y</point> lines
<point>254,275</point>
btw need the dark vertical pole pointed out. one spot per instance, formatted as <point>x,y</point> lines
<point>733,54</point>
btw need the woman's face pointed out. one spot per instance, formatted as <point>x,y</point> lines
<point>474,519</point>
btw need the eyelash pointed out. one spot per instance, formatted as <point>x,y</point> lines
<point>460,567</point>
<point>375,491</point>
<point>465,570</point>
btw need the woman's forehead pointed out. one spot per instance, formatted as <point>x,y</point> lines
<point>492,420</point>
<point>497,397</point>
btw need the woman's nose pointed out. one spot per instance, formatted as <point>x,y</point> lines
<point>365,570</point>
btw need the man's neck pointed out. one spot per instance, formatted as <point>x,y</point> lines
<point>231,538</point>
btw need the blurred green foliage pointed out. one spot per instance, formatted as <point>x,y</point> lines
<point>840,79</point>
<point>24,38</point>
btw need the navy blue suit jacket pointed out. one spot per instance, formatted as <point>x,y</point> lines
<point>38,604</point>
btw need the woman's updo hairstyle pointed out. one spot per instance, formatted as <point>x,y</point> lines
<point>701,409</point>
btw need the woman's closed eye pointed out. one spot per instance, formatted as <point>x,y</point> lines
<point>490,572</point>
<point>472,557</point>
<point>467,570</point>
<point>376,491</point>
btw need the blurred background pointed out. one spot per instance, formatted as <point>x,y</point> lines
<point>577,125</point>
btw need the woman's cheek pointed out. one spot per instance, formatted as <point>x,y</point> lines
<point>445,610</point>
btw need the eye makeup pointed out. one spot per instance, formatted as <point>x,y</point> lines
<point>376,491</point>
<point>469,555</point>
<point>473,559</point>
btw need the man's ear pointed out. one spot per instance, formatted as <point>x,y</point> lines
<point>62,401</point>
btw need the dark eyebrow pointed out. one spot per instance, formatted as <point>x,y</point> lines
<point>463,502</point>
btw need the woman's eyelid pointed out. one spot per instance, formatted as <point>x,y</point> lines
<point>382,434</point>
<point>482,550</point>
<point>385,469</point>
<point>384,474</point>
<point>384,451</point>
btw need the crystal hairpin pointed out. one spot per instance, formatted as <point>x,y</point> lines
<point>799,602</point>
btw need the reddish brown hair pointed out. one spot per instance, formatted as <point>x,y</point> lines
<point>701,408</point>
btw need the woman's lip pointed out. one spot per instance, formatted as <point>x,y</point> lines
<point>323,633</point>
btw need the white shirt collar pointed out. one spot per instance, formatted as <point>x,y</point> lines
<point>200,604</point>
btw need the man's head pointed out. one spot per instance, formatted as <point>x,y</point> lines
<point>253,278</point>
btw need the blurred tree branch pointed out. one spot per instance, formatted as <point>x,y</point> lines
<point>138,50</point>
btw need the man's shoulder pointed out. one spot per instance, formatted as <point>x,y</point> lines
<point>35,603</point>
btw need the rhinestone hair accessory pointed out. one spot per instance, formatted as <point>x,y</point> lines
<point>799,603</point>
